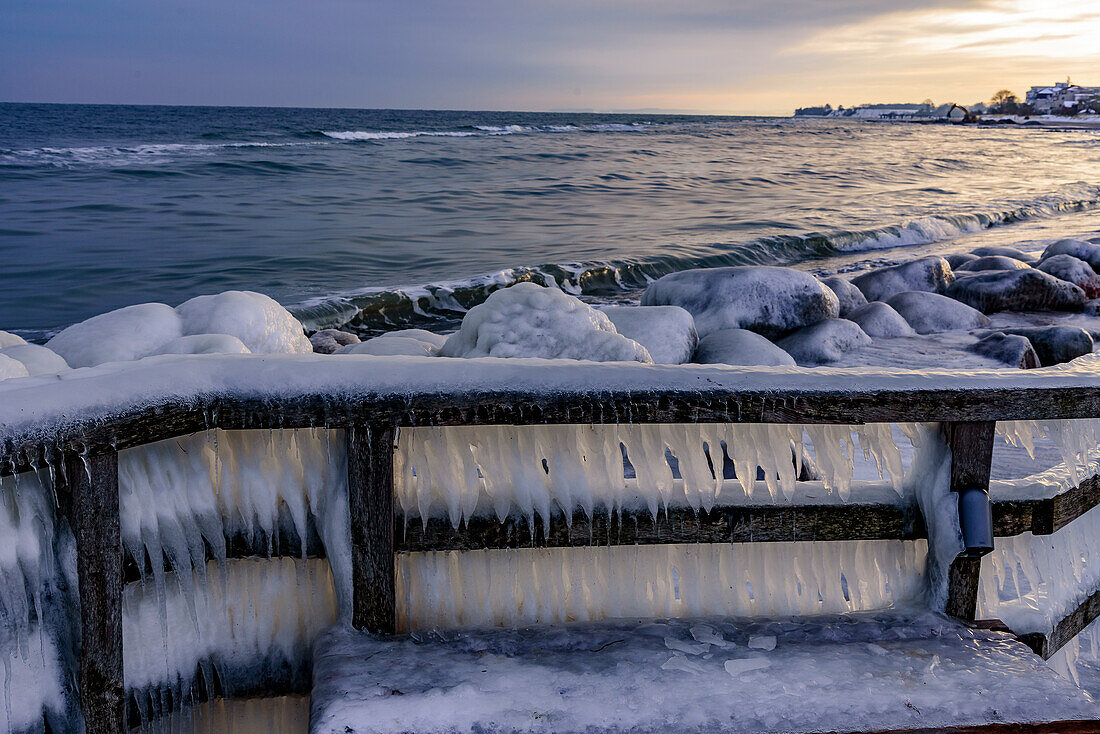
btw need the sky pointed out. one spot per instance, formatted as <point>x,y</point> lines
<point>715,56</point>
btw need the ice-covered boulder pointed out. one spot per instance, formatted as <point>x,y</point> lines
<point>849,296</point>
<point>1092,308</point>
<point>123,335</point>
<point>1011,252</point>
<point>1073,270</point>
<point>392,347</point>
<point>992,262</point>
<point>436,340</point>
<point>1055,344</point>
<point>826,341</point>
<point>1080,249</point>
<point>956,259</point>
<point>11,367</point>
<point>931,313</point>
<point>204,344</point>
<point>7,339</point>
<point>1017,290</point>
<point>38,360</point>
<point>528,320</point>
<point>931,274</point>
<point>264,326</point>
<point>668,332</point>
<point>740,347</point>
<point>768,300</point>
<point>1011,349</point>
<point>328,341</point>
<point>878,319</point>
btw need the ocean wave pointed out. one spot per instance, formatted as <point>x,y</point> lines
<point>441,305</point>
<point>393,135</point>
<point>121,155</point>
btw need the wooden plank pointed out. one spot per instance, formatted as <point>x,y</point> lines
<point>370,496</point>
<point>962,587</point>
<point>1048,515</point>
<point>971,453</point>
<point>1078,726</point>
<point>93,513</point>
<point>1066,629</point>
<point>26,449</point>
<point>735,524</point>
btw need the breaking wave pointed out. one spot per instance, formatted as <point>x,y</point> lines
<point>442,304</point>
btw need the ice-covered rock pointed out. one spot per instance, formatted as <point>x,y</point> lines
<point>328,341</point>
<point>931,274</point>
<point>1011,252</point>
<point>7,339</point>
<point>956,259</point>
<point>204,344</point>
<point>1017,290</point>
<point>391,347</point>
<point>826,341</point>
<point>38,360</point>
<point>1092,308</point>
<point>992,262</point>
<point>931,313</point>
<point>878,319</point>
<point>264,326</point>
<point>740,347</point>
<point>850,297</point>
<point>1073,270</point>
<point>1080,249</point>
<point>1055,344</point>
<point>436,340</point>
<point>668,332</point>
<point>1011,349</point>
<point>122,335</point>
<point>768,300</point>
<point>528,320</point>
<point>11,367</point>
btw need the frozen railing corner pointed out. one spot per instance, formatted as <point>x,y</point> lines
<point>88,488</point>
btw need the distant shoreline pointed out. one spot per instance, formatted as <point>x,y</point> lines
<point>1081,122</point>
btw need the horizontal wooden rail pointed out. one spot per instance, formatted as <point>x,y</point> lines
<point>1048,643</point>
<point>734,524</point>
<point>1047,515</point>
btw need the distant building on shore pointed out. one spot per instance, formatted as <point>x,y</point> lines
<point>904,111</point>
<point>1060,97</point>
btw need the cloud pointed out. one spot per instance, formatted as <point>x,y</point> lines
<point>749,56</point>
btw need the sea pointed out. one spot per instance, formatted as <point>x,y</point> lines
<point>378,219</point>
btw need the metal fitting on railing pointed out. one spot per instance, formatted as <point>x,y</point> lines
<point>976,521</point>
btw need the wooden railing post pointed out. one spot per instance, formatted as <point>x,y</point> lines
<point>971,444</point>
<point>370,504</point>
<point>93,514</point>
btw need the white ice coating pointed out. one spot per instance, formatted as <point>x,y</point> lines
<point>264,326</point>
<point>548,470</point>
<point>30,665</point>
<point>865,672</point>
<point>529,320</point>
<point>233,618</point>
<point>544,586</point>
<point>1030,582</point>
<point>181,495</point>
<point>1077,439</point>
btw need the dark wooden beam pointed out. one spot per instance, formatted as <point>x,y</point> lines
<point>1066,629</point>
<point>93,514</point>
<point>971,453</point>
<point>30,447</point>
<point>962,587</point>
<point>370,497</point>
<point>734,524</point>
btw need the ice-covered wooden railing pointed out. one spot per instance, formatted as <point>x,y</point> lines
<point>84,422</point>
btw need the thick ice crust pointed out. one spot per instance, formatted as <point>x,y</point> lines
<point>768,300</point>
<point>858,672</point>
<point>529,320</point>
